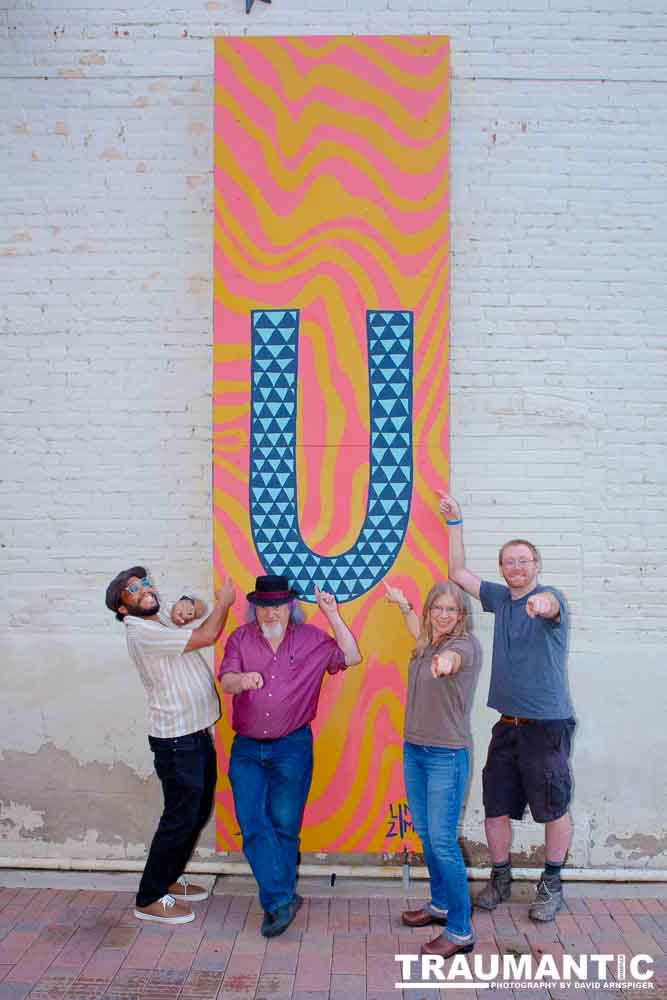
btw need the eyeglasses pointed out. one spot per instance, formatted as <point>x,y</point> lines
<point>521,563</point>
<point>438,610</point>
<point>132,588</point>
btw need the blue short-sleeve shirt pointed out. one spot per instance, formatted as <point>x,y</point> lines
<point>528,675</point>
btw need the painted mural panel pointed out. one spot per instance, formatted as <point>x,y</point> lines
<point>330,375</point>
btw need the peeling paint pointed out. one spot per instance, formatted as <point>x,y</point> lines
<point>476,855</point>
<point>20,817</point>
<point>50,796</point>
<point>92,59</point>
<point>643,846</point>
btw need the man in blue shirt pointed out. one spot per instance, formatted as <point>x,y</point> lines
<point>528,756</point>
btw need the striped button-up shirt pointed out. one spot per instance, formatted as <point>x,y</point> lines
<point>179,686</point>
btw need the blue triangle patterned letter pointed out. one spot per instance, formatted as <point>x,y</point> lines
<point>273,506</point>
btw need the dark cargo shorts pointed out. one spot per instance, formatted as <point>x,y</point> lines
<point>529,764</point>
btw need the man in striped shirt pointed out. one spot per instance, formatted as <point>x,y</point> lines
<point>182,705</point>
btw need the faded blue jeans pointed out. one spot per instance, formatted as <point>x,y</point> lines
<point>270,782</point>
<point>435,781</point>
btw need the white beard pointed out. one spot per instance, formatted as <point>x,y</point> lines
<point>273,632</point>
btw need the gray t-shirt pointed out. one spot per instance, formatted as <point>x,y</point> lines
<point>436,710</point>
<point>528,677</point>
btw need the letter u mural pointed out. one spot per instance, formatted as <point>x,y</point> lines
<point>330,387</point>
<point>273,487</point>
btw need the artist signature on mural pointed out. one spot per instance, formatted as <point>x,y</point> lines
<point>398,821</point>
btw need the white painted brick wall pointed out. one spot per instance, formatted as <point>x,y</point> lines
<point>558,354</point>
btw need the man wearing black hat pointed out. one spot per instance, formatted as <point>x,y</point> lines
<point>274,667</point>
<point>182,705</point>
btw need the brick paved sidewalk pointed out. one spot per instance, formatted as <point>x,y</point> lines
<point>82,944</point>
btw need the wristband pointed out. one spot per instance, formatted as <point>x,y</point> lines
<point>450,524</point>
<point>406,608</point>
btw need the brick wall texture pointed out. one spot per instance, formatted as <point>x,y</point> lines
<point>558,367</point>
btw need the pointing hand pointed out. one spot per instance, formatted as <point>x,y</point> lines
<point>226,593</point>
<point>394,594</point>
<point>448,506</point>
<point>326,602</point>
<point>542,606</point>
<point>442,665</point>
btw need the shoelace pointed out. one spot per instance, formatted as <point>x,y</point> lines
<point>543,890</point>
<point>183,881</point>
<point>168,901</point>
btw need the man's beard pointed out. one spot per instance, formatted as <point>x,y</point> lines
<point>273,631</point>
<point>145,612</point>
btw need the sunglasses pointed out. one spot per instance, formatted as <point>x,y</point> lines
<point>133,588</point>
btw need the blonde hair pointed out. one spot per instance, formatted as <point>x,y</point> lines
<point>462,627</point>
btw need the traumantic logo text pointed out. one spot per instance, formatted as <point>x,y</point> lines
<point>512,972</point>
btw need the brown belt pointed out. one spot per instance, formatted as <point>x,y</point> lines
<point>514,720</point>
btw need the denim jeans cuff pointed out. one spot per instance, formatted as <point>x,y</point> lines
<point>458,938</point>
<point>436,911</point>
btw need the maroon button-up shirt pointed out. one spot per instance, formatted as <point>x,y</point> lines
<point>292,675</point>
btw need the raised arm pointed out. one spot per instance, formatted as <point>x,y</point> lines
<point>207,633</point>
<point>458,572</point>
<point>346,641</point>
<point>396,596</point>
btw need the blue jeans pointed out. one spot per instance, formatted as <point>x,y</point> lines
<point>187,768</point>
<point>435,780</point>
<point>270,782</point>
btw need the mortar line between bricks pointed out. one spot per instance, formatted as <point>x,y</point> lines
<point>473,78</point>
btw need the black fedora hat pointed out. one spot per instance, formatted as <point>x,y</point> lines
<point>272,590</point>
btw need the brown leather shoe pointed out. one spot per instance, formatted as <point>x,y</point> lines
<point>445,948</point>
<point>421,918</point>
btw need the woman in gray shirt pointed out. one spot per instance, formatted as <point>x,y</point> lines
<point>441,679</point>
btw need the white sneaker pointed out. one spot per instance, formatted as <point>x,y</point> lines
<point>184,890</point>
<point>165,911</point>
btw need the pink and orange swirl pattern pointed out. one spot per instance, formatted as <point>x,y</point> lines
<point>331,196</point>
